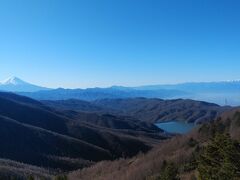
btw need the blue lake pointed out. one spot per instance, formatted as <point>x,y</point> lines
<point>176,127</point>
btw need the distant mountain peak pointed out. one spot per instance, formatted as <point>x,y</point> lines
<point>13,81</point>
<point>15,84</point>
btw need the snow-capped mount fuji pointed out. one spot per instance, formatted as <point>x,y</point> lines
<point>15,84</point>
<point>13,80</point>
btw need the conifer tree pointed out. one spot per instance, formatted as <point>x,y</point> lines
<point>220,159</point>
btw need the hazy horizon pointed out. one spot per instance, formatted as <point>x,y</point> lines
<point>119,85</point>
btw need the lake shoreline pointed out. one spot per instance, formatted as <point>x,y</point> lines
<point>175,127</point>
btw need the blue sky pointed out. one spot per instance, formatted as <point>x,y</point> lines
<point>88,43</point>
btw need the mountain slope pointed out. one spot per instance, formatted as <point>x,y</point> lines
<point>73,105</point>
<point>113,121</point>
<point>14,84</point>
<point>183,151</point>
<point>15,170</point>
<point>147,110</point>
<point>33,145</point>
<point>157,110</point>
<point>50,138</point>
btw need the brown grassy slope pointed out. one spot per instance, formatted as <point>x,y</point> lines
<point>232,119</point>
<point>140,167</point>
<point>178,150</point>
<point>15,170</point>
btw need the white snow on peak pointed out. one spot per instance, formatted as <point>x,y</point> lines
<point>233,81</point>
<point>13,81</point>
<point>15,84</point>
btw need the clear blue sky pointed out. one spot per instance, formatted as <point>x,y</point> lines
<point>87,43</point>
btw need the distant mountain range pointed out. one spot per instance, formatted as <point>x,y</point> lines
<point>223,93</point>
<point>93,94</point>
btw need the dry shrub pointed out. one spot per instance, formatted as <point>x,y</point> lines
<point>140,167</point>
